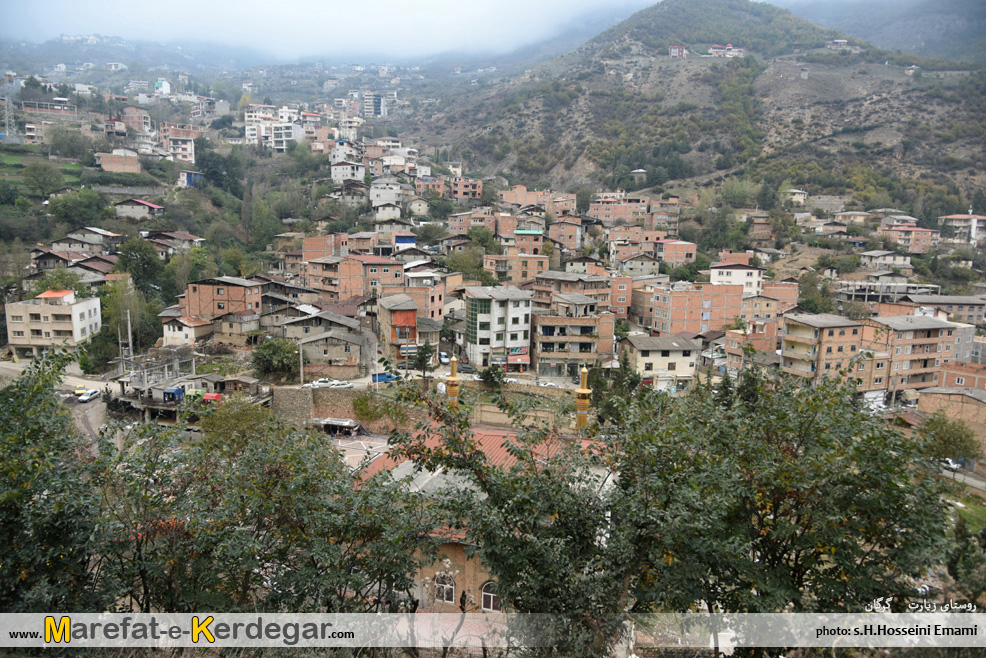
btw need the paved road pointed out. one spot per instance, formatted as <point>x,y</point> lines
<point>967,478</point>
<point>89,416</point>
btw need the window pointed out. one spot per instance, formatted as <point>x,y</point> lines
<point>840,348</point>
<point>513,336</point>
<point>444,588</point>
<point>349,348</point>
<point>842,332</point>
<point>18,334</point>
<point>491,601</point>
<point>325,352</point>
<point>515,320</point>
<point>16,318</point>
<point>526,335</point>
<point>959,381</point>
<point>828,350</point>
<point>910,335</point>
<point>82,316</point>
<point>220,305</point>
<point>855,331</point>
<point>499,336</point>
<point>685,353</point>
<point>220,291</point>
<point>648,366</point>
<point>672,365</point>
<point>373,270</point>
<point>831,332</point>
<point>878,380</point>
<point>386,270</point>
<point>484,326</point>
<point>665,353</point>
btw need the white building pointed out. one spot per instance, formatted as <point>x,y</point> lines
<point>737,274</point>
<point>285,135</point>
<point>346,170</point>
<point>498,325</point>
<point>53,319</point>
<point>667,363</point>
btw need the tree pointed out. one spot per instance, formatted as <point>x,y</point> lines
<point>82,208</point>
<point>814,294</point>
<point>948,439</point>
<point>61,279</point>
<point>430,233</point>
<point>276,357</point>
<point>493,376</point>
<point>47,509</point>
<point>484,238</point>
<point>43,178</point>
<point>138,257</point>
<point>424,360</point>
<point>785,500</point>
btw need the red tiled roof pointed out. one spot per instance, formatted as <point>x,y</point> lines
<point>143,203</point>
<point>51,294</point>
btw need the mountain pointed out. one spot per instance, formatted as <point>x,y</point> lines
<point>619,103</point>
<point>97,49</point>
<point>950,29</point>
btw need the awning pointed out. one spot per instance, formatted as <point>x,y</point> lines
<point>519,358</point>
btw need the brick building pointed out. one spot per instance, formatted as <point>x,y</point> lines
<point>570,333</point>
<point>669,309</point>
<point>214,297</point>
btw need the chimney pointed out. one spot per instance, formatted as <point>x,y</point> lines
<point>582,396</point>
<point>452,384</point>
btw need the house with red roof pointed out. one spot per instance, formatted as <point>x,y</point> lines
<point>138,209</point>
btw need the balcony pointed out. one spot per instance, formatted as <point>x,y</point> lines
<point>797,353</point>
<point>798,369</point>
<point>805,339</point>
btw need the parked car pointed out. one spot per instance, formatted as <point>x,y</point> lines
<point>511,380</point>
<point>80,389</point>
<point>947,463</point>
<point>465,367</point>
<point>443,358</point>
<point>91,394</point>
<point>324,382</point>
<point>548,385</point>
<point>343,385</point>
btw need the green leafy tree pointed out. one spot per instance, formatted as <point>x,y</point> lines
<point>138,257</point>
<point>61,279</point>
<point>276,357</point>
<point>82,208</point>
<point>424,361</point>
<point>43,178</point>
<point>430,233</point>
<point>484,238</point>
<point>493,376</point>
<point>814,293</point>
<point>946,438</point>
<point>47,507</point>
<point>784,500</point>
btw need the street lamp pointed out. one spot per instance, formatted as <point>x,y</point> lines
<point>301,363</point>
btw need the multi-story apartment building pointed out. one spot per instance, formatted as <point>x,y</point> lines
<point>912,239</point>
<point>918,346</point>
<point>631,210</point>
<point>55,318</point>
<point>181,148</point>
<point>214,297</point>
<point>136,119</point>
<point>669,309</point>
<point>514,266</point>
<point>284,135</point>
<point>620,295</point>
<point>967,228</point>
<point>818,346</point>
<point>760,335</point>
<point>346,170</point>
<point>595,286</point>
<point>397,317</point>
<point>748,276</point>
<point>498,326</point>
<point>675,252</point>
<point>462,189</point>
<point>960,308</point>
<point>557,203</point>
<point>334,244</point>
<point>570,334</point>
<point>338,278</point>
<point>567,231</point>
<point>667,364</point>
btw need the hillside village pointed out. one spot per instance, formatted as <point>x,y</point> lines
<point>309,258</point>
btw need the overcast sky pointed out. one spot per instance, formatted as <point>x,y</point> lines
<point>296,28</point>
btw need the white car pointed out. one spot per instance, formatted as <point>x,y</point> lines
<point>91,394</point>
<point>548,385</point>
<point>325,382</point>
<point>342,385</point>
<point>443,358</point>
<point>948,464</point>
<point>511,380</point>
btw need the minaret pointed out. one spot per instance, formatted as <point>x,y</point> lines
<point>452,384</point>
<point>582,402</point>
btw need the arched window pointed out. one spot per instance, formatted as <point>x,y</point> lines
<point>444,588</point>
<point>491,601</point>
